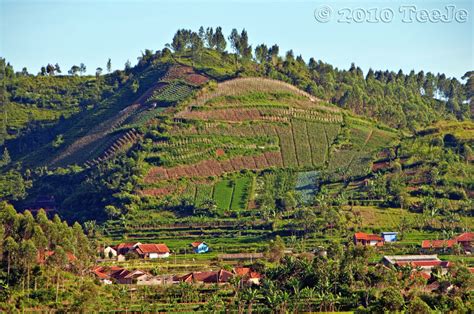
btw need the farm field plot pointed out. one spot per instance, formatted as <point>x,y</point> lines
<point>203,192</point>
<point>306,186</point>
<point>214,168</point>
<point>340,159</point>
<point>241,193</point>
<point>171,93</point>
<point>302,145</point>
<point>287,147</point>
<point>192,149</point>
<point>359,135</point>
<point>317,142</point>
<point>379,138</point>
<point>242,86</point>
<point>223,191</point>
<point>387,218</point>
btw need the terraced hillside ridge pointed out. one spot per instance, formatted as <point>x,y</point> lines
<point>103,140</point>
<point>257,124</point>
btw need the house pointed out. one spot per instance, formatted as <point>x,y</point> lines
<point>200,247</point>
<point>208,277</point>
<point>124,248</point>
<point>110,252</point>
<point>103,277</point>
<point>119,275</point>
<point>437,245</point>
<point>368,239</point>
<point>389,236</point>
<point>43,256</point>
<point>153,250</point>
<point>249,276</point>
<point>424,263</point>
<point>121,258</point>
<point>465,240</point>
<point>137,277</point>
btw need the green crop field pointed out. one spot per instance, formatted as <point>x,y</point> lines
<point>203,192</point>
<point>287,147</point>
<point>241,193</point>
<point>301,140</point>
<point>223,191</point>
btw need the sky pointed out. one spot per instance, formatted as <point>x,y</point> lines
<point>34,33</point>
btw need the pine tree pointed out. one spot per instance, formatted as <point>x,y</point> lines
<point>109,65</point>
<point>5,158</point>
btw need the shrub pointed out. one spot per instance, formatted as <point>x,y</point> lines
<point>391,300</point>
<point>418,306</point>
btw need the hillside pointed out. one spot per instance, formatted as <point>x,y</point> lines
<point>267,156</point>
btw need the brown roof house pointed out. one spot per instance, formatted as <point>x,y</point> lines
<point>248,276</point>
<point>465,240</point>
<point>368,239</point>
<point>207,277</point>
<point>124,248</point>
<point>119,275</point>
<point>153,250</point>
<point>424,263</point>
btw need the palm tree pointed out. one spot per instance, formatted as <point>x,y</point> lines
<point>250,295</point>
<point>273,299</point>
<point>308,294</point>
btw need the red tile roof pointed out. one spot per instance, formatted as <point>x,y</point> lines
<point>128,245</point>
<point>422,263</point>
<point>246,272</point>
<point>437,244</point>
<point>465,237</point>
<point>99,272</point>
<point>152,248</point>
<point>196,244</point>
<point>42,256</point>
<point>220,276</point>
<point>367,237</point>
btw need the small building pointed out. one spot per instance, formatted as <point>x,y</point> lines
<point>43,256</point>
<point>249,277</point>
<point>124,248</point>
<point>119,275</point>
<point>390,236</point>
<point>153,250</point>
<point>423,262</point>
<point>208,277</point>
<point>466,241</point>
<point>200,247</point>
<point>368,239</point>
<point>437,245</point>
<point>110,252</point>
<point>121,258</point>
<point>103,277</point>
